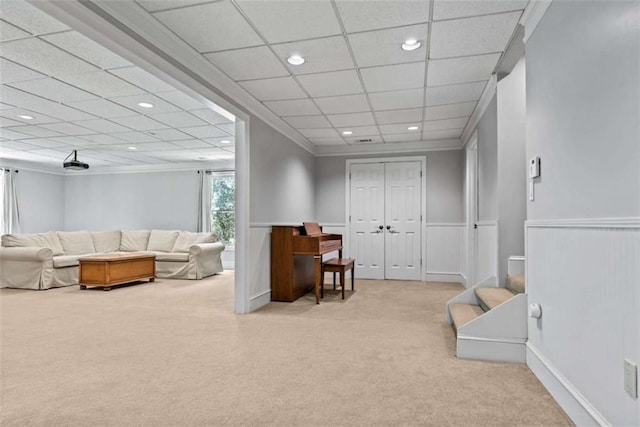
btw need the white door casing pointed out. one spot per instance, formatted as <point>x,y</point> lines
<point>472,211</point>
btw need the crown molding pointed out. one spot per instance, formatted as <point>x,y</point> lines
<point>532,16</point>
<point>131,32</point>
<point>485,99</point>
<point>388,148</point>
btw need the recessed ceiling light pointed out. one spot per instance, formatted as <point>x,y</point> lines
<point>132,148</point>
<point>411,44</point>
<point>25,117</point>
<point>413,128</point>
<point>347,132</point>
<point>145,104</point>
<point>295,60</point>
<point>225,141</point>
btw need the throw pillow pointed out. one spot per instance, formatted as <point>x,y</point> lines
<point>76,242</point>
<point>134,240</point>
<point>162,240</point>
<point>186,239</point>
<point>106,241</point>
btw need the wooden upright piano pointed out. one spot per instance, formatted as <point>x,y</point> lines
<point>296,260</point>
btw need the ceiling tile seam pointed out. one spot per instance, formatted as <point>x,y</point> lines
<point>178,7</point>
<point>291,74</point>
<point>462,18</point>
<point>29,32</point>
<point>353,58</point>
<point>445,58</point>
<point>426,65</point>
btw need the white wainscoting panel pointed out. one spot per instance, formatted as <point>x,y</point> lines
<point>586,278</point>
<point>260,269</point>
<point>446,251</point>
<point>487,253</point>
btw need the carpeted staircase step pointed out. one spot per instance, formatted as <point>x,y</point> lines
<point>516,284</point>
<point>464,313</point>
<point>492,297</point>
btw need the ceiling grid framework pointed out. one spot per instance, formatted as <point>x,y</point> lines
<point>356,77</point>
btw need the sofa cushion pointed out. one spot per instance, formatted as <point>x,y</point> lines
<point>134,240</point>
<point>186,239</point>
<point>42,240</point>
<point>172,256</point>
<point>106,241</point>
<point>76,242</point>
<point>162,240</point>
<point>61,261</point>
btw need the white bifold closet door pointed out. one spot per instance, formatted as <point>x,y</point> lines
<point>385,237</point>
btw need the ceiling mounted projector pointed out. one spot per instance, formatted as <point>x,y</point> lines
<point>74,163</point>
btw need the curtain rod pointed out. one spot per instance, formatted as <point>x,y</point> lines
<point>217,170</point>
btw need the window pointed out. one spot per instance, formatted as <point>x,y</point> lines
<point>223,206</point>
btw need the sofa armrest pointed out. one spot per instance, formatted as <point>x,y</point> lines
<point>205,259</point>
<point>206,248</point>
<point>26,254</point>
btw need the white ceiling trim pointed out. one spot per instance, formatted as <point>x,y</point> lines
<point>227,93</point>
<point>532,16</point>
<point>485,99</point>
<point>396,147</point>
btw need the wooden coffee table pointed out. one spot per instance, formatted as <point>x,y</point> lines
<point>108,270</point>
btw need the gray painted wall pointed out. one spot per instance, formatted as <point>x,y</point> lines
<point>282,177</point>
<point>488,163</point>
<point>444,178</point>
<point>512,169</point>
<point>41,200</point>
<point>161,200</point>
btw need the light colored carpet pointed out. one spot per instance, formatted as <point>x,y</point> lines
<point>172,353</point>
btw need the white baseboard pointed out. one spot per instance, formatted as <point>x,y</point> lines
<point>577,407</point>
<point>259,300</point>
<point>493,350</point>
<point>445,277</point>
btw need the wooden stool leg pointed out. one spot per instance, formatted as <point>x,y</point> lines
<point>353,276</point>
<point>342,282</point>
<point>334,280</point>
<point>322,282</point>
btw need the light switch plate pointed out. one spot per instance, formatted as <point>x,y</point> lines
<point>631,378</point>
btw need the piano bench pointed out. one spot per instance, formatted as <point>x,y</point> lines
<point>338,265</point>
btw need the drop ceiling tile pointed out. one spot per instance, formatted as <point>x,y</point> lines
<point>40,105</point>
<point>283,20</point>
<point>134,137</point>
<point>178,119</point>
<point>343,104</point>
<point>352,119</point>
<point>331,84</point>
<point>449,111</point>
<point>204,131</point>
<point>38,118</point>
<point>229,128</point>
<point>447,124</point>
<point>5,122</point>
<point>403,137</point>
<point>296,107</point>
<point>211,27</point>
<point>401,128</point>
<point>75,141</point>
<point>169,134</point>
<point>180,99</point>
<point>319,133</point>
<point>274,89</point>
<point>359,131</point>
<point>11,32</point>
<point>103,139</point>
<point>29,18</point>
<point>399,116</point>
<point>218,141</point>
<point>102,83</point>
<point>472,36</point>
<point>18,145</point>
<point>327,141</point>
<point>369,139</point>
<point>37,131</point>
<point>463,8</point>
<point>4,106</point>
<point>358,15</point>
<point>328,54</point>
<point>85,48</point>
<point>39,55</point>
<point>397,100</point>
<point>102,108</point>
<point>452,94</point>
<point>210,116</point>
<point>140,123</point>
<point>47,143</point>
<point>250,63</point>
<point>53,89</point>
<point>142,79</point>
<point>68,129</point>
<point>384,47</point>
<point>132,102</point>
<point>307,122</point>
<point>442,134</point>
<point>461,70</point>
<point>12,72</point>
<point>192,144</point>
<point>155,5</point>
<point>102,126</point>
<point>393,77</point>
<point>159,145</point>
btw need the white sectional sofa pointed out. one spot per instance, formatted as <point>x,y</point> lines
<point>50,260</point>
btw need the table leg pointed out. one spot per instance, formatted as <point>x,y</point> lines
<point>334,280</point>
<point>353,276</point>
<point>318,270</point>
<point>342,284</point>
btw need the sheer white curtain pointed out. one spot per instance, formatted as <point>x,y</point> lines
<point>9,214</point>
<point>204,202</point>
